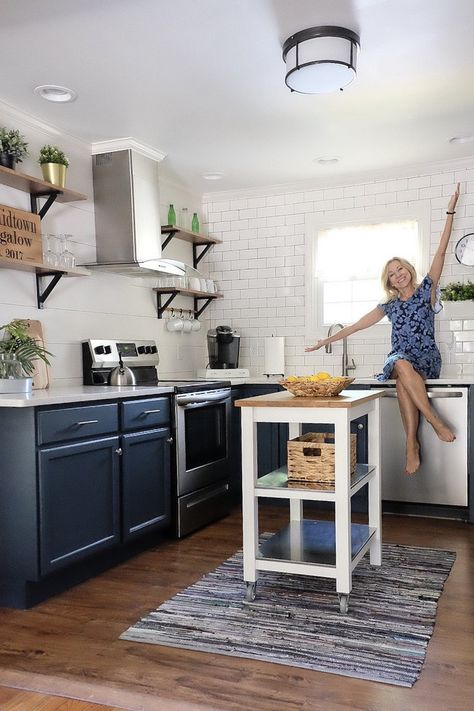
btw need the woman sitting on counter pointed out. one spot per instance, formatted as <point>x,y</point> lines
<point>410,306</point>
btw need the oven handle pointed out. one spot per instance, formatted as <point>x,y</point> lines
<point>201,399</point>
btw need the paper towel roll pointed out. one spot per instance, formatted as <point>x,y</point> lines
<point>274,362</point>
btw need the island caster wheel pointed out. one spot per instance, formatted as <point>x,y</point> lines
<point>343,603</point>
<point>251,591</point>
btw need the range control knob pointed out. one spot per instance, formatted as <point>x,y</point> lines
<point>141,349</point>
<point>148,349</point>
<point>99,350</point>
<point>108,349</point>
<point>154,349</point>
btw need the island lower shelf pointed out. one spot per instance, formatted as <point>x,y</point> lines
<point>311,542</point>
<point>275,485</point>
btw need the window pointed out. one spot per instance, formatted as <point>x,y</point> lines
<point>346,260</point>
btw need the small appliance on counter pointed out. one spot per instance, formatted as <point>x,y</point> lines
<point>223,345</point>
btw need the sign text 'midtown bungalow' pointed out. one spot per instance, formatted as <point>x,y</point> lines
<point>20,235</point>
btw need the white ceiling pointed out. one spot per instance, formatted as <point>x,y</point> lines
<point>203,82</point>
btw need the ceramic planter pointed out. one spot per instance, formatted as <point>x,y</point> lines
<point>7,160</point>
<point>54,173</point>
<point>455,310</point>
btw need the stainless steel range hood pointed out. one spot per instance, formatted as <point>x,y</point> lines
<point>127,215</point>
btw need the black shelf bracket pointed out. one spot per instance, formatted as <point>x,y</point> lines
<point>162,307</point>
<point>198,311</point>
<point>197,257</point>
<point>168,239</point>
<point>51,196</point>
<point>42,294</point>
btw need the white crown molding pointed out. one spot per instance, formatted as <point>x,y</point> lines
<point>16,115</point>
<point>323,182</point>
<point>125,144</point>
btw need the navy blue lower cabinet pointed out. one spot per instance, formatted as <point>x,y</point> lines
<point>78,501</point>
<point>146,489</point>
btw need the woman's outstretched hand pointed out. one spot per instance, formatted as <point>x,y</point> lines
<point>453,199</point>
<point>317,346</point>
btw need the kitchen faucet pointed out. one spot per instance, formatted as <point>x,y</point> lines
<point>345,360</point>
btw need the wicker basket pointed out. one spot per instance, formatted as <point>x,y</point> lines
<point>311,457</point>
<point>316,388</point>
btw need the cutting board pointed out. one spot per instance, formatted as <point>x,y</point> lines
<point>40,374</point>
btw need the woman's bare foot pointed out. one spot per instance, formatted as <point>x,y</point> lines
<point>413,458</point>
<point>443,431</point>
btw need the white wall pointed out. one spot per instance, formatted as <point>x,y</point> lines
<point>108,306</point>
<point>260,265</point>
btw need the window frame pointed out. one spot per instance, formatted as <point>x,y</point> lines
<point>318,222</point>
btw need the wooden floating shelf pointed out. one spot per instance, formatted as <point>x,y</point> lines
<point>188,292</point>
<point>36,186</point>
<point>188,236</point>
<point>42,269</point>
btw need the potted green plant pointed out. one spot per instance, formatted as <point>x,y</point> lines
<point>53,164</point>
<point>13,147</point>
<point>19,351</point>
<point>458,298</point>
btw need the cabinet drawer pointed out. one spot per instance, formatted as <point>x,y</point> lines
<point>144,414</point>
<point>76,422</point>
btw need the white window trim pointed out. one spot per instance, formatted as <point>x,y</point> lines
<point>317,222</point>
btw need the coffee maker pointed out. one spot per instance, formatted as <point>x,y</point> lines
<point>223,345</point>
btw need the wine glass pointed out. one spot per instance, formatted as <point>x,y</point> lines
<point>67,259</point>
<point>51,255</point>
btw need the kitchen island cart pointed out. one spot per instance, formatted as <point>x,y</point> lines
<point>329,549</point>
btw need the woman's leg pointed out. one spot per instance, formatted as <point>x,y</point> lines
<point>415,387</point>
<point>411,419</point>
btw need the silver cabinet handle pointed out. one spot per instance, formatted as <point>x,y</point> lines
<point>86,422</point>
<point>119,451</point>
<point>149,412</point>
<point>170,440</point>
<point>431,393</point>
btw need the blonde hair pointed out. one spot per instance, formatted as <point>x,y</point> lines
<point>390,291</point>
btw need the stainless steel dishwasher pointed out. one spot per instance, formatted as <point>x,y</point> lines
<point>443,475</point>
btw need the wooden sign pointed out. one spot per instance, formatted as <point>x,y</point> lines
<point>20,235</point>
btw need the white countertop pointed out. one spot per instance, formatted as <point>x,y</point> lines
<point>86,393</point>
<point>79,393</point>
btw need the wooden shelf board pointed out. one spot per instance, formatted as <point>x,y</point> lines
<point>188,236</point>
<point>40,268</point>
<point>29,184</point>
<point>188,292</point>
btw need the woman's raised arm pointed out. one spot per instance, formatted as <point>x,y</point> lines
<point>438,260</point>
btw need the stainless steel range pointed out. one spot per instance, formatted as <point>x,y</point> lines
<point>201,428</point>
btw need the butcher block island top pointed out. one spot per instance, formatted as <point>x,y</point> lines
<point>347,399</point>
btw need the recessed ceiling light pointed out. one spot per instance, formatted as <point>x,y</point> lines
<point>57,94</point>
<point>461,139</point>
<point>326,160</point>
<point>213,176</point>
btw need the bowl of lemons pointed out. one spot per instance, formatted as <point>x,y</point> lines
<point>320,384</point>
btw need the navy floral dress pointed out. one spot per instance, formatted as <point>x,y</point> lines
<point>413,332</point>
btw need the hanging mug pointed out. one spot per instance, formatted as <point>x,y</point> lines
<point>187,325</point>
<point>195,325</point>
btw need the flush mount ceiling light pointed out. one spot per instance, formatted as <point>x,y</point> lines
<point>320,59</point>
<point>57,94</point>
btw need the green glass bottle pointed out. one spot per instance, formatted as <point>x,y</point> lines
<point>195,223</point>
<point>171,215</point>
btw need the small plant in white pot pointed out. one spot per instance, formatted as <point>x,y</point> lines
<point>53,164</point>
<point>13,147</point>
<point>18,353</point>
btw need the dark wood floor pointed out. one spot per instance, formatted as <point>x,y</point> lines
<point>69,646</point>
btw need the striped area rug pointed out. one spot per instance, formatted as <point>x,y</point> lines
<point>295,620</point>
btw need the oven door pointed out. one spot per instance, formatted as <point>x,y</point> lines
<point>202,438</point>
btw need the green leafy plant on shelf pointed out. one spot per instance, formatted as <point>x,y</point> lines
<point>20,344</point>
<point>13,144</point>
<point>52,154</point>
<point>457,291</point>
